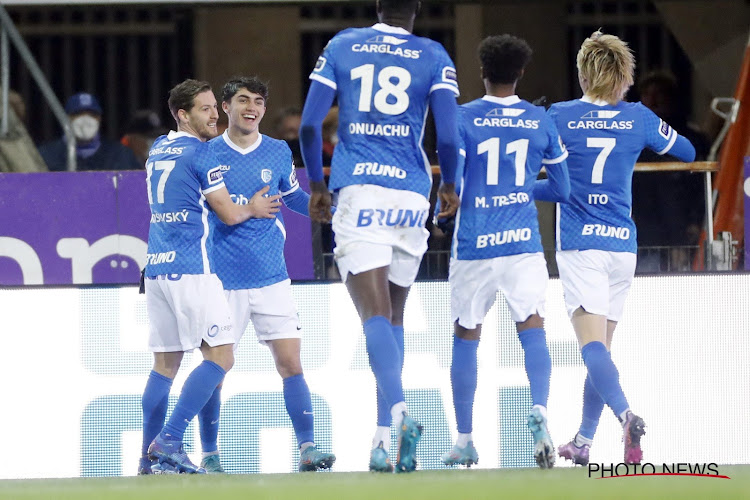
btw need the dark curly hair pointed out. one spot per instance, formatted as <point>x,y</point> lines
<point>252,83</point>
<point>503,58</point>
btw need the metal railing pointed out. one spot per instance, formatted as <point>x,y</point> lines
<point>8,30</point>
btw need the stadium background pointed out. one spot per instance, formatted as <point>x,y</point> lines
<point>685,358</point>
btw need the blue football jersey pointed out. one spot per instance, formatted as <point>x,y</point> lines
<point>505,141</point>
<point>383,77</point>
<point>603,143</point>
<point>180,171</point>
<point>251,254</point>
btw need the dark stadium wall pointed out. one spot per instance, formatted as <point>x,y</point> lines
<point>257,40</point>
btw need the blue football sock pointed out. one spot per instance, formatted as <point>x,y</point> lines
<point>299,407</point>
<point>593,404</point>
<point>198,388</point>
<point>537,362</point>
<point>209,422</point>
<point>384,411</point>
<point>154,403</point>
<point>464,381</point>
<point>604,376</point>
<point>385,360</point>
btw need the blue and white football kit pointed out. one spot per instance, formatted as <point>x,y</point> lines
<point>249,257</point>
<point>184,298</point>
<point>596,237</point>
<point>496,242</point>
<point>385,79</point>
<point>250,263</point>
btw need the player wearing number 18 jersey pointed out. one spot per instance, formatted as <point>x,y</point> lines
<point>596,236</point>
<point>385,79</point>
<point>496,242</point>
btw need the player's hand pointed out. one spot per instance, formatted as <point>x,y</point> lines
<point>320,202</point>
<point>449,201</point>
<point>262,206</point>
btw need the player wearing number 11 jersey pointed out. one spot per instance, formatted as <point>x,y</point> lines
<point>496,242</point>
<point>385,79</point>
<point>596,236</point>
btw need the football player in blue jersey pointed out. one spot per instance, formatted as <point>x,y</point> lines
<point>184,298</point>
<point>496,241</point>
<point>596,237</point>
<point>385,79</point>
<point>250,263</point>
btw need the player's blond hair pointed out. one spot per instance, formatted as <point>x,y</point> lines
<point>607,64</point>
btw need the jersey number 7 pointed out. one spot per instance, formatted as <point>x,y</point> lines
<point>607,144</point>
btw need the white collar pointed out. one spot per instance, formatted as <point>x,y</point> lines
<point>252,147</point>
<point>387,28</point>
<point>595,102</point>
<point>172,135</point>
<point>505,101</point>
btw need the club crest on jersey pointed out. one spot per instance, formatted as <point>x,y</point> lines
<point>214,175</point>
<point>320,64</point>
<point>664,129</point>
<point>598,115</point>
<point>387,39</point>
<point>506,112</point>
<point>266,175</point>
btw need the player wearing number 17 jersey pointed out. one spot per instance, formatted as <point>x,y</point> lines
<point>496,242</point>
<point>385,79</point>
<point>596,236</point>
<point>184,298</point>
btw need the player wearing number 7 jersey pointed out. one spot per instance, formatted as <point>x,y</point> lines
<point>596,236</point>
<point>385,79</point>
<point>496,242</point>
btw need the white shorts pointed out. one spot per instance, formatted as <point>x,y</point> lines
<point>596,280</point>
<point>271,309</point>
<point>185,310</point>
<point>474,284</point>
<point>376,227</point>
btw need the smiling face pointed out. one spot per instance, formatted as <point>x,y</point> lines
<point>203,116</point>
<point>245,111</point>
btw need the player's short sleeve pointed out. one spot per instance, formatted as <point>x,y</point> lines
<point>444,75</point>
<point>288,182</point>
<point>207,168</point>
<point>555,152</point>
<point>324,71</point>
<point>659,136</point>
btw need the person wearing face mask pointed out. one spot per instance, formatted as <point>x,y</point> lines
<point>93,152</point>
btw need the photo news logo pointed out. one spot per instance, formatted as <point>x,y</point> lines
<point>604,471</point>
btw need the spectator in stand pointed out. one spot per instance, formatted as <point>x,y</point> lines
<point>287,129</point>
<point>141,132</point>
<point>93,152</point>
<point>668,207</point>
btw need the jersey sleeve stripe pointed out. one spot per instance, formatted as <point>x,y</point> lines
<point>325,81</point>
<point>213,188</point>
<point>553,161</point>
<point>294,188</point>
<point>448,86</point>
<point>671,143</point>
<point>462,152</point>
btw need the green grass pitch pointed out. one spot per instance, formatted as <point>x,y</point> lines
<point>525,484</point>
